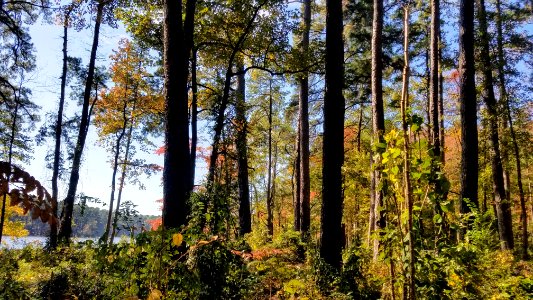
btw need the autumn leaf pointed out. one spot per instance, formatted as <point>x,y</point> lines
<point>155,295</point>
<point>177,239</point>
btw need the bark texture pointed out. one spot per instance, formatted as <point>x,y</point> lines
<point>331,233</point>
<point>245,220</point>
<point>304,127</point>
<point>377,215</point>
<point>468,108</point>
<point>177,168</point>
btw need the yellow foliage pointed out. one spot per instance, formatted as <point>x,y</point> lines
<point>13,228</point>
<point>177,239</point>
<point>155,294</point>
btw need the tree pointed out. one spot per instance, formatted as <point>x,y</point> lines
<point>411,294</point>
<point>270,182</point>
<point>245,219</point>
<point>468,108</point>
<point>178,42</point>
<point>508,121</point>
<point>65,230</point>
<point>303,126</point>
<point>331,233</point>
<point>67,11</point>
<point>132,102</point>
<point>434,78</point>
<point>377,218</point>
<point>503,209</point>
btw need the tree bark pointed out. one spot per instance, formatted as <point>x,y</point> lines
<point>441,108</point>
<point>296,184</point>
<point>118,144</point>
<point>331,234</point>
<point>304,127</point>
<point>219,123</point>
<point>503,208</point>
<point>378,120</point>
<point>194,116</point>
<point>406,168</point>
<point>434,77</point>
<point>245,219</point>
<point>122,177</point>
<point>516,149</point>
<point>65,230</point>
<point>468,108</point>
<point>59,130</point>
<point>177,166</point>
<point>270,202</point>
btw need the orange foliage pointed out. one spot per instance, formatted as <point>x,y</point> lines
<point>155,223</point>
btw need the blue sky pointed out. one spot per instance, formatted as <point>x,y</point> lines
<point>95,174</point>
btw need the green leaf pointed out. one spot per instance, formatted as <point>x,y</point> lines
<point>437,219</point>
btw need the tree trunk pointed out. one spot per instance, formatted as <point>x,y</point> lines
<point>65,230</point>
<point>296,184</point>
<point>8,175</point>
<point>245,220</point>
<point>516,149</point>
<point>360,127</point>
<point>220,118</point>
<point>333,139</point>
<point>502,206</point>
<point>378,119</point>
<point>304,126</point>
<point>122,177</point>
<point>468,108</point>
<point>434,78</point>
<point>177,166</point>
<point>58,131</point>
<point>270,204</point>
<point>194,116</point>
<point>441,109</point>
<point>406,168</point>
<point>118,144</point>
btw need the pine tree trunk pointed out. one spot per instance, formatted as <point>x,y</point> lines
<point>502,206</point>
<point>304,126</point>
<point>177,166</point>
<point>194,116</point>
<point>434,77</point>
<point>58,132</point>
<point>245,220</point>
<point>296,184</point>
<point>220,118</point>
<point>65,230</point>
<point>123,175</point>
<point>118,144</point>
<point>516,148</point>
<point>441,110</point>
<point>468,108</point>
<point>406,168</point>
<point>331,234</point>
<point>270,204</point>
<point>378,120</point>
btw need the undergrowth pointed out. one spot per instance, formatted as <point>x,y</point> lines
<point>174,265</point>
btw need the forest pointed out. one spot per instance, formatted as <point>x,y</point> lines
<point>309,149</point>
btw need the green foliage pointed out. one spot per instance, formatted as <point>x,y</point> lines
<point>221,274</point>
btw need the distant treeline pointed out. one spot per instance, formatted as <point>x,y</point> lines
<point>90,222</point>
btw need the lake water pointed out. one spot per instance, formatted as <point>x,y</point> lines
<point>20,242</point>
